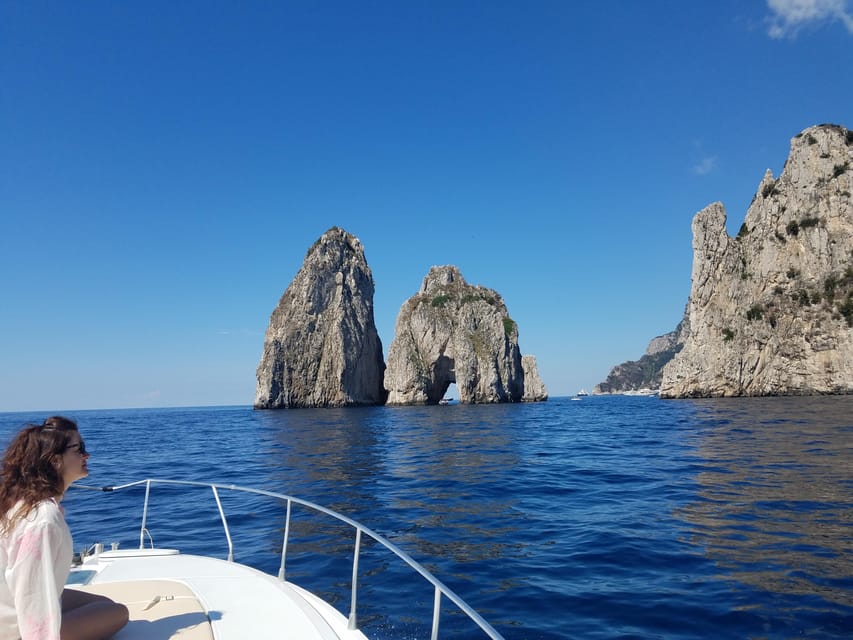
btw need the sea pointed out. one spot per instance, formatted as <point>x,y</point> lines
<point>605,517</point>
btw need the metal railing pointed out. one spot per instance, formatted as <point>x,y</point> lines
<point>440,589</point>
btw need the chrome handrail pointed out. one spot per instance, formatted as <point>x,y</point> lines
<point>440,588</point>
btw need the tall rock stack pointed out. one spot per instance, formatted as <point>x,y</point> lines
<point>771,310</point>
<point>534,387</point>
<point>322,348</point>
<point>451,331</point>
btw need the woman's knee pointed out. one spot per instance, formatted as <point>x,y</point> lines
<point>120,613</point>
<point>73,599</point>
<point>94,621</point>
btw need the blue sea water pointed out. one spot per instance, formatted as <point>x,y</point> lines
<point>611,517</point>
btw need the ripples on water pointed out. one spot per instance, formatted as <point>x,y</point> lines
<point>604,518</point>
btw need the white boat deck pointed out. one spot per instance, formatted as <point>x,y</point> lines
<point>188,597</point>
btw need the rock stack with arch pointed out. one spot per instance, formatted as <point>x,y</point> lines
<point>322,348</point>
<point>454,332</point>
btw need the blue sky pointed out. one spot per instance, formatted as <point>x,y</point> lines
<point>164,167</point>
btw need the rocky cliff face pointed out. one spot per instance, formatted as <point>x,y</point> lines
<point>321,348</point>
<point>771,310</point>
<point>451,331</point>
<point>645,373</point>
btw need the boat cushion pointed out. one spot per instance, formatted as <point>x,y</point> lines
<point>159,609</point>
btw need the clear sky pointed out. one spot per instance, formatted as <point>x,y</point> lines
<point>165,166</point>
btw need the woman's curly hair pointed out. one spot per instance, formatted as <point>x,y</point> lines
<point>29,474</point>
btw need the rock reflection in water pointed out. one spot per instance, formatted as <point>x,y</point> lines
<point>774,507</point>
<point>449,475</point>
<point>426,477</point>
<point>430,479</point>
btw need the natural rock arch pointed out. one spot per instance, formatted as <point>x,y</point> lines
<point>443,375</point>
<point>453,332</point>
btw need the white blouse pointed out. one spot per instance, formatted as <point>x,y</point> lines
<point>35,559</point>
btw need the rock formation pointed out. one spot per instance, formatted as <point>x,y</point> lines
<point>451,331</point>
<point>321,348</point>
<point>771,310</point>
<point>534,388</point>
<point>645,373</point>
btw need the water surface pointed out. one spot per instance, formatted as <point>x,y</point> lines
<point>602,518</point>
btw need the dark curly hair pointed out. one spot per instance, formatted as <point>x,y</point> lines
<point>29,474</point>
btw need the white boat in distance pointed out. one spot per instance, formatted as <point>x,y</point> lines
<point>190,597</point>
<point>582,393</point>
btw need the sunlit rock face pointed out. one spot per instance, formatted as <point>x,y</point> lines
<point>321,347</point>
<point>534,387</point>
<point>771,310</point>
<point>451,331</point>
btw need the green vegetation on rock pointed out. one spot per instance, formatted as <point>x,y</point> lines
<point>756,312</point>
<point>509,326</point>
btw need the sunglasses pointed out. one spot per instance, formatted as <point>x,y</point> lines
<point>80,446</point>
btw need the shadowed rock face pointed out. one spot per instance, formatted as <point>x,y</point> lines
<point>322,348</point>
<point>451,331</point>
<point>771,310</point>
<point>645,373</point>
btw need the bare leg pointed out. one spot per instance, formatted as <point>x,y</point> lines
<point>87,616</point>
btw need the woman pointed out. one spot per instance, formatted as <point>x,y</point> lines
<point>35,544</point>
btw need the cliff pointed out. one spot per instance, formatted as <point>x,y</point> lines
<point>451,331</point>
<point>771,311</point>
<point>321,347</point>
<point>645,373</point>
